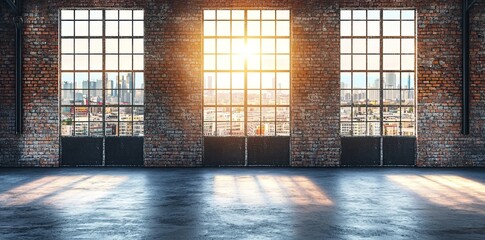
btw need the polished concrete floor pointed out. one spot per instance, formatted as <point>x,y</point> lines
<point>242,203</point>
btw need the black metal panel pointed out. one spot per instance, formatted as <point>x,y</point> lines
<point>361,151</point>
<point>124,151</point>
<point>399,151</point>
<point>274,151</point>
<point>81,151</point>
<point>224,151</point>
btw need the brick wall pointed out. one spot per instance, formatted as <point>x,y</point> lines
<point>173,66</point>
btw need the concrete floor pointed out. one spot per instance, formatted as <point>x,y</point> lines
<point>242,203</point>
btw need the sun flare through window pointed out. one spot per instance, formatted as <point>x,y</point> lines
<point>246,73</point>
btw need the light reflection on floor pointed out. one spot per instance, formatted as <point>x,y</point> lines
<point>59,191</point>
<point>446,190</point>
<point>267,189</point>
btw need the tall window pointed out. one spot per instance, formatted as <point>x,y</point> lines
<point>246,72</point>
<point>377,78</point>
<point>102,82</point>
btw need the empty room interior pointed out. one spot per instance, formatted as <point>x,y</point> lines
<point>242,119</point>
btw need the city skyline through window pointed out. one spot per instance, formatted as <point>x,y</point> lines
<point>246,72</point>
<point>101,72</point>
<point>377,79</point>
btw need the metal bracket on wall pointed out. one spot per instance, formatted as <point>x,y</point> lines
<point>466,5</point>
<point>16,6</point>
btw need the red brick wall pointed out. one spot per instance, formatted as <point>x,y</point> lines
<point>173,66</point>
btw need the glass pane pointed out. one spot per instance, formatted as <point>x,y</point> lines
<point>224,45</point>
<point>392,62</point>
<point>268,14</point>
<point>111,62</point>
<point>253,62</point>
<point>373,128</point>
<point>345,45</point>
<point>283,14</point>
<point>209,80</point>
<point>111,96</point>
<point>81,62</point>
<point>391,113</point>
<point>283,114</point>
<point>209,28</point>
<point>392,97</point>
<point>111,14</point>
<point>223,80</point>
<point>126,128</point>
<point>209,62</point>
<point>111,129</point>
<point>237,128</point>
<point>138,46</point>
<point>254,114</point>
<point>407,97</point>
<point>67,62</point>
<point>96,114</point>
<point>96,97</point>
<point>209,45</point>
<point>359,14</point>
<point>67,45</point>
<point>359,80</point>
<point>345,14</point>
<point>345,28</point>
<point>126,62</point>
<point>283,45</point>
<point>407,28</point>
<point>408,129</point>
<point>81,129</point>
<point>345,97</point>
<point>345,113</point>
<point>346,128</point>
<point>95,62</point>
<point>391,128</point>
<point>374,14</point>
<point>209,14</point>
<point>138,28</point>
<point>223,97</point>
<point>237,14</point>
<point>407,80</point>
<point>268,45</point>
<point>96,14</point>
<point>138,113</point>
<point>96,129</point>
<point>358,45</point>
<point>373,46</point>
<point>359,28</point>
<point>139,97</point>
<point>283,28</point>
<point>67,28</point>
<point>407,14</point>
<point>253,97</point>
<point>126,14</point>
<point>373,80</point>
<point>138,129</point>
<point>238,28</point>
<point>254,14</point>
<point>268,62</point>
<point>138,62</point>
<point>268,97</point>
<point>81,80</point>
<point>209,114</point>
<point>359,114</point>
<point>126,114</point>
<point>96,46</point>
<point>223,62</point>
<point>407,45</point>
<point>268,81</point>
<point>111,114</point>
<point>283,97</point>
<point>391,46</point>
<point>96,28</point>
<point>268,129</point>
<point>67,97</point>
<point>67,14</point>
<point>126,97</point>
<point>359,62</point>
<point>345,62</point>
<point>359,129</point>
<point>237,97</point>
<point>407,62</point>
<point>345,80</point>
<point>268,28</point>
<point>126,46</point>
<point>111,28</point>
<point>283,62</point>
<point>81,114</point>
<point>391,81</point>
<point>359,97</point>
<point>81,28</point>
<point>67,79</point>
<point>139,80</point>
<point>254,80</point>
<point>237,80</point>
<point>209,97</point>
<point>373,114</point>
<point>209,128</point>
<point>391,28</point>
<point>373,62</point>
<point>407,113</point>
<point>373,97</point>
<point>223,114</point>
<point>268,113</point>
<point>391,14</point>
<point>283,80</point>
<point>253,28</point>
<point>223,28</point>
<point>238,114</point>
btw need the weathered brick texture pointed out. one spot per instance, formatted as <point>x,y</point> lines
<point>173,68</point>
